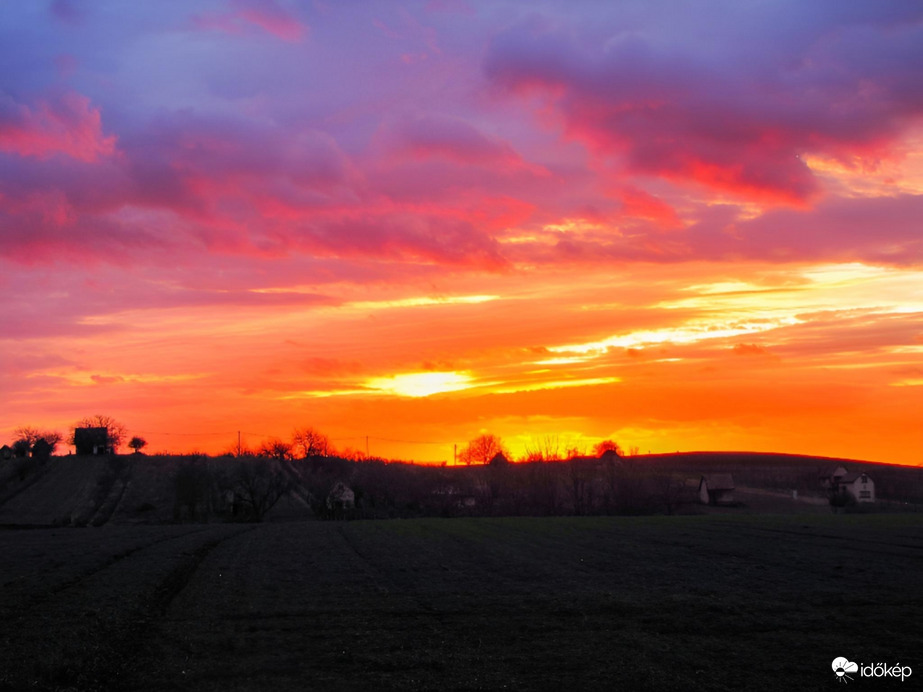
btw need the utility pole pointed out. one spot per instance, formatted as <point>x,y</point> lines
<point>366,446</point>
<point>238,443</point>
<point>455,454</point>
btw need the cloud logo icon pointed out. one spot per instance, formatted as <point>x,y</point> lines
<point>842,666</point>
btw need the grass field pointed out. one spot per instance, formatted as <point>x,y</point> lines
<point>657,603</point>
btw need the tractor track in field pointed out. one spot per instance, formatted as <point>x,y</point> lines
<point>102,650</point>
<point>36,600</point>
<point>124,666</point>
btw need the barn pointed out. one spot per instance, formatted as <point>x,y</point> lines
<point>717,489</point>
<point>92,441</point>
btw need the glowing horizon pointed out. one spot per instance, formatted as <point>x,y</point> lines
<point>422,221</point>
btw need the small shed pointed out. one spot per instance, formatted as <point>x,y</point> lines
<point>92,441</point>
<point>499,459</point>
<point>610,455</point>
<point>717,489</point>
<point>341,497</point>
<point>6,452</point>
<point>859,485</point>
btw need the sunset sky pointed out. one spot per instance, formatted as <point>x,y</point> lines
<point>683,226</point>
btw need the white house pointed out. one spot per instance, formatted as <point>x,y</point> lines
<point>859,485</point>
<point>341,497</point>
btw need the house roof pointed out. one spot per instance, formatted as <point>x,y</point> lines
<point>718,481</point>
<point>340,490</point>
<point>851,477</point>
<point>92,434</point>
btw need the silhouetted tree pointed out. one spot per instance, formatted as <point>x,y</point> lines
<point>544,449</point>
<point>193,484</point>
<point>580,478</point>
<point>258,485</point>
<point>27,437</point>
<point>310,443</point>
<point>668,490</point>
<point>275,449</point>
<point>137,444</point>
<point>542,480</point>
<point>607,446</point>
<point>115,431</point>
<point>41,450</point>
<point>482,449</point>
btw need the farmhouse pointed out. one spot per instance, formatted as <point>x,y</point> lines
<point>92,441</point>
<point>859,485</point>
<point>716,489</point>
<point>341,497</point>
<point>6,452</point>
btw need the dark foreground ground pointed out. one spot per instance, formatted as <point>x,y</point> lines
<point>664,603</point>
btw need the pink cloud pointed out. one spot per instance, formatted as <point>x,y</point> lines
<point>435,137</point>
<point>67,125</point>
<point>718,120</point>
<point>638,204</point>
<point>265,14</point>
<point>453,138</point>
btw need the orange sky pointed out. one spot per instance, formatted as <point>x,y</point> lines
<point>420,222</point>
<point>818,359</point>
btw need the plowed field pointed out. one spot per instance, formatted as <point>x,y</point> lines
<point>664,603</point>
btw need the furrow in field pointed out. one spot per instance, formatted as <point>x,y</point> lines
<point>82,634</point>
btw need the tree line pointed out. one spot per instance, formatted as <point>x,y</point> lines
<point>31,441</point>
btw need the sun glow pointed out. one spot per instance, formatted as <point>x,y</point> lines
<point>421,384</point>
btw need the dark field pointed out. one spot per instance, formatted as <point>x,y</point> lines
<point>672,603</point>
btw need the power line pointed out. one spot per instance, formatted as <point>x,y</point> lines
<point>207,434</point>
<point>235,433</point>
<point>406,442</point>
